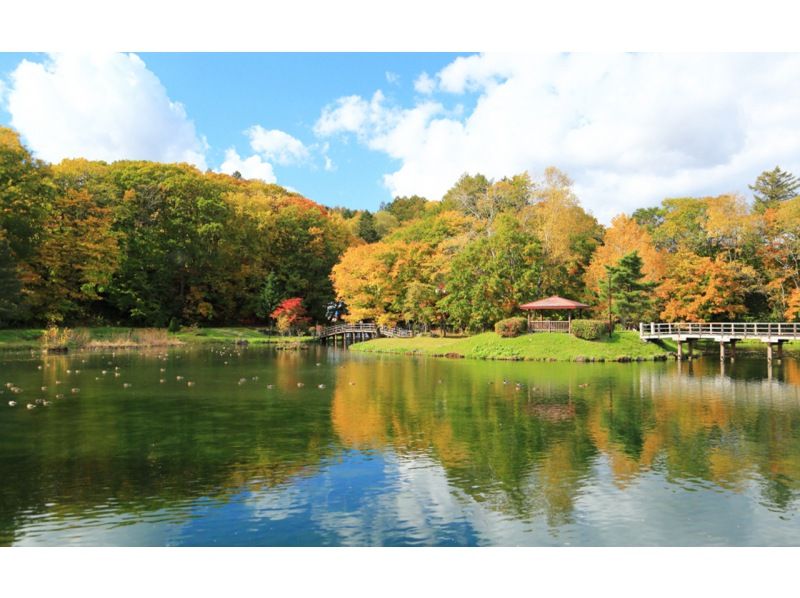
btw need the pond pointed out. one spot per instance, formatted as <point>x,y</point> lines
<point>258,447</point>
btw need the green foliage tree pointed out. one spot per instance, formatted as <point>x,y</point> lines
<point>270,297</point>
<point>366,227</point>
<point>625,290</point>
<point>406,208</point>
<point>772,187</point>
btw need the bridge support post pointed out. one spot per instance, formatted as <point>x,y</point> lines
<point>680,350</point>
<point>769,353</point>
<point>722,351</point>
<point>733,350</point>
<point>779,350</point>
<point>690,347</point>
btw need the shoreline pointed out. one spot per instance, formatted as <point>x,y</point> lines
<point>128,338</point>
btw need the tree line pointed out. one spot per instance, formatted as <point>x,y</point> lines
<point>472,258</point>
<point>145,243</point>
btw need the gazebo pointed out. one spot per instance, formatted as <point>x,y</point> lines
<point>554,303</point>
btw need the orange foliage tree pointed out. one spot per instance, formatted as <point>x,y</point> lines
<point>700,288</point>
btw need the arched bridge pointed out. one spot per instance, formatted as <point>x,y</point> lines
<point>361,331</point>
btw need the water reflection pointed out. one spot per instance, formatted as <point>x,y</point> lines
<point>397,450</point>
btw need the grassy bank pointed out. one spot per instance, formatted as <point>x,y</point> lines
<point>623,345</point>
<point>108,337</point>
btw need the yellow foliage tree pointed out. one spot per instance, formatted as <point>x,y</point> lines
<point>622,237</point>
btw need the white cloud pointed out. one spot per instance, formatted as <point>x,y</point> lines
<point>353,114</point>
<point>392,78</point>
<point>102,107</point>
<point>629,129</point>
<point>425,84</point>
<point>276,146</point>
<point>250,168</point>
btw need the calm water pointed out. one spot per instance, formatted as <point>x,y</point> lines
<point>395,451</point>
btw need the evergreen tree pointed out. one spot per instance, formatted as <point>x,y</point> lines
<point>773,187</point>
<point>366,227</point>
<point>625,291</point>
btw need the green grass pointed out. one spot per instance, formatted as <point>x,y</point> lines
<point>539,346</point>
<point>20,339</point>
<point>29,338</point>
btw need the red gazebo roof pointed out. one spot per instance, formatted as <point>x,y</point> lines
<point>554,302</point>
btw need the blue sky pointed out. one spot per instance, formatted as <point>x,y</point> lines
<point>225,94</point>
<point>358,129</point>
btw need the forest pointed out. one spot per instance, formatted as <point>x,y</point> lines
<point>151,244</point>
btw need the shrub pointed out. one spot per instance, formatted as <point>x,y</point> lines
<point>589,329</point>
<point>511,327</point>
<point>174,325</point>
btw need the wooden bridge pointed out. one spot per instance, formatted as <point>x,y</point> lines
<point>353,333</point>
<point>727,334</point>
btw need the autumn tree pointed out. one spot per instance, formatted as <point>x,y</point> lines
<point>624,236</point>
<point>291,316</point>
<point>700,288</point>
<point>76,260</point>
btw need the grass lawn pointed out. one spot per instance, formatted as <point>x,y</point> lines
<point>121,337</point>
<point>539,346</point>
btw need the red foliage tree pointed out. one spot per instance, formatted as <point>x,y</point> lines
<point>290,315</point>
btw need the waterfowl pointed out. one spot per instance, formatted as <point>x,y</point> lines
<point>38,367</point>
<point>126,385</point>
<point>242,381</point>
<point>69,371</point>
<point>46,403</point>
<point>75,390</point>
<point>39,401</point>
<point>320,386</point>
<point>104,372</point>
<point>179,378</point>
<point>190,383</point>
<point>44,388</point>
<point>31,406</point>
<point>300,385</point>
<point>12,403</point>
<point>59,396</point>
<point>117,374</point>
<point>163,369</point>
<point>270,386</point>
<point>255,378</point>
<point>161,381</point>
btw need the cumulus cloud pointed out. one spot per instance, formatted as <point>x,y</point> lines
<point>276,146</point>
<point>630,129</point>
<point>425,84</point>
<point>101,107</point>
<point>252,167</point>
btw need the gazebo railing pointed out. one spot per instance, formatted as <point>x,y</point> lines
<point>549,326</point>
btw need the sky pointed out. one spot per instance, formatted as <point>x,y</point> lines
<point>358,129</point>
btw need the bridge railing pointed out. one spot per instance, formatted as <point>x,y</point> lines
<point>721,329</point>
<point>348,328</point>
<point>395,332</point>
